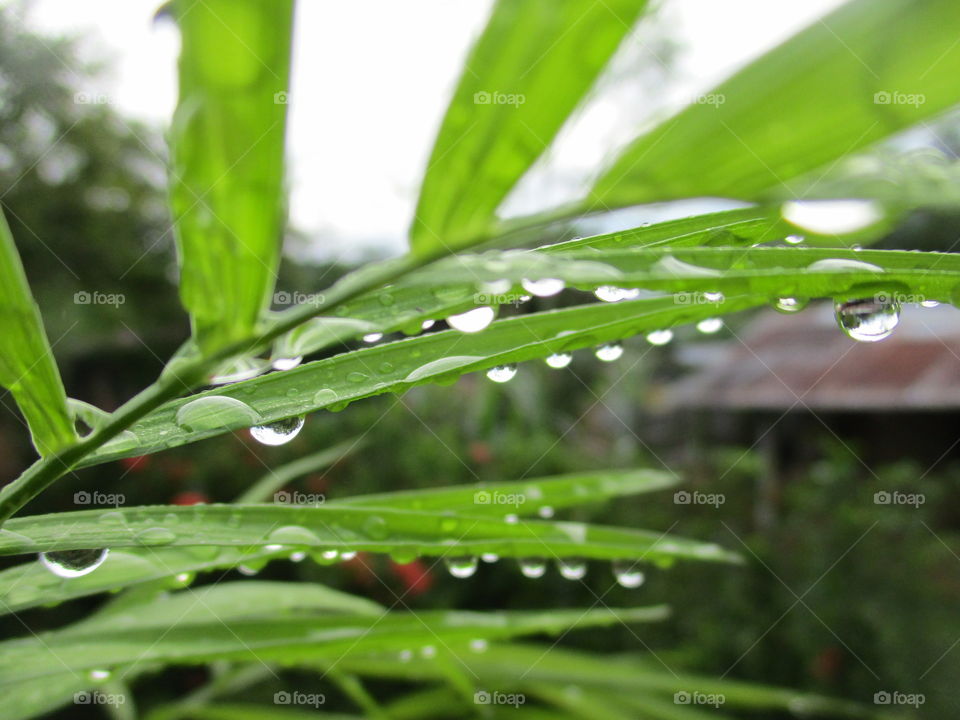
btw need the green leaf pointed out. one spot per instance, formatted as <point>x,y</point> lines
<point>528,71</point>
<point>298,639</point>
<point>27,367</point>
<point>276,478</point>
<point>814,98</point>
<point>226,143</point>
<point>397,366</point>
<point>522,498</point>
<point>403,533</point>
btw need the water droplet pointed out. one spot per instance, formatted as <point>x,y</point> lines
<point>73,563</point>
<point>832,217</point>
<point>386,299</point>
<point>295,535</point>
<point>247,570</point>
<point>709,325</point>
<point>372,337</point>
<point>842,265</point>
<point>929,304</point>
<point>660,337</point>
<point>462,566</point>
<point>489,557</point>
<point>406,655</point>
<point>496,287</point>
<point>559,360</point>
<point>544,287</point>
<point>215,412</point>
<point>156,536</point>
<point>348,555</point>
<point>122,442</point>
<point>532,567</point>
<point>628,573</point>
<point>502,373</point>
<point>794,239</point>
<point>511,519</point>
<point>572,568</point>
<point>472,321</point>
<point>287,363</point>
<point>868,319</point>
<point>279,432</point>
<point>428,651</point>
<point>545,511</point>
<point>376,527</point>
<point>479,645</point>
<point>99,675</point>
<point>297,556</point>
<point>325,397</point>
<point>237,370</point>
<point>612,293</point>
<point>713,297</point>
<point>609,352</point>
<point>789,305</point>
<point>427,324</point>
<point>356,377</point>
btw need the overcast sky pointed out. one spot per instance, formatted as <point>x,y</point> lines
<point>371,79</point>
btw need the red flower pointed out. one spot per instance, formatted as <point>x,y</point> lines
<point>135,463</point>
<point>189,497</point>
<point>415,576</point>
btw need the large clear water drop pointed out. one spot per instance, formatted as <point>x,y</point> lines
<point>660,337</point>
<point>609,352</point>
<point>277,433</point>
<point>789,305</point>
<point>544,287</point>
<point>502,373</point>
<point>215,412</point>
<point>709,326</point>
<point>463,566</point>
<point>572,568</point>
<point>868,319</point>
<point>559,360</point>
<point>532,567</point>
<point>73,563</point>
<point>628,573</point>
<point>472,321</point>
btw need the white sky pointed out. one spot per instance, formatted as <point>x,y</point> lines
<point>371,79</point>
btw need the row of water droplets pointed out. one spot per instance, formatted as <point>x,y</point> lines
<point>626,572</point>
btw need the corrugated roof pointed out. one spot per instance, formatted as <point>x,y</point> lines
<point>804,360</point>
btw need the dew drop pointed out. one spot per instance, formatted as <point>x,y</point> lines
<point>479,645</point>
<point>496,287</point>
<point>609,352</point>
<point>247,570</point>
<point>325,397</point>
<point>183,579</point>
<point>868,319</point>
<point>348,555</point>
<point>502,373</point>
<point>572,568</point>
<point>612,293</point>
<point>156,536</point>
<point>329,555</point>
<point>511,519</point>
<point>543,288</point>
<point>545,511</point>
<point>427,324</point>
<point>277,433</point>
<point>628,573</point>
<point>462,566</point>
<point>373,337</point>
<point>356,377</point>
<point>794,239</point>
<point>660,337</point>
<point>789,305</point>
<point>428,651</point>
<point>287,363</point>
<point>406,656</point>
<point>559,360</point>
<point>99,675</point>
<point>532,567</point>
<point>709,325</point>
<point>73,563</point>
<point>713,297</point>
<point>472,321</point>
<point>215,412</point>
<point>298,556</point>
<point>489,557</point>
<point>237,370</point>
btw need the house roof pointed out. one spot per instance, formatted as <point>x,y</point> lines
<point>778,362</point>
